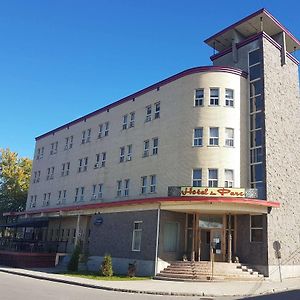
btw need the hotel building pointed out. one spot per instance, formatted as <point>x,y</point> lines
<point>207,157</point>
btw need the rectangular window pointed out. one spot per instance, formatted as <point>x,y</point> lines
<point>137,236</point>
<point>214,97</point>
<point>119,188</point>
<point>148,113</point>
<point>132,119</point>
<point>157,110</point>
<point>213,136</point>
<point>256,228</point>
<point>125,119</point>
<point>198,137</point>
<point>100,134</point>
<point>129,152</point>
<point>152,183</point>
<point>97,165</point>
<point>94,192</point>
<point>171,231</point>
<point>229,98</point>
<point>53,148</point>
<point>229,137</point>
<point>69,142</point>
<point>229,179</point>
<point>103,159</point>
<point>76,194</point>
<point>213,177</point>
<point>126,187</point>
<point>106,130</point>
<point>155,146</point>
<point>100,191</point>
<point>144,185</point>
<point>197,178</point>
<point>82,193</point>
<point>146,148</point>
<point>199,97</point>
<point>122,154</point>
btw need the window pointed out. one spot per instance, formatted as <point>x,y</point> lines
<point>213,178</point>
<point>148,113</point>
<point>157,110</point>
<point>40,153</point>
<point>126,187</point>
<point>37,176</point>
<point>94,192</point>
<point>146,148</point>
<point>199,97</point>
<point>103,130</point>
<point>171,230</point>
<point>256,228</point>
<point>83,163</point>
<point>229,137</point>
<point>103,159</point>
<point>82,193</point>
<point>53,148</point>
<point>32,203</point>
<point>229,179</point>
<point>197,177</point>
<point>129,152</point>
<point>86,136</point>
<point>122,154</point>
<point>155,146</point>
<point>152,183</point>
<point>132,119</point>
<point>96,165</point>
<point>65,169</point>
<point>137,236</point>
<point>144,185</point>
<point>125,118</point>
<point>100,191</point>
<point>213,136</point>
<point>119,188</point>
<point>214,97</point>
<point>97,195</point>
<point>63,201</point>
<point>50,173</point>
<point>47,197</point>
<point>198,137</point>
<point>76,194</point>
<point>229,100</point>
<point>69,142</point>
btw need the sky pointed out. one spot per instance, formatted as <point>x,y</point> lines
<point>62,59</point>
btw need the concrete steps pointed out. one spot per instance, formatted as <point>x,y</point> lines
<point>202,271</point>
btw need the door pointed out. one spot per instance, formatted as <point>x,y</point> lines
<point>216,240</point>
<point>205,244</point>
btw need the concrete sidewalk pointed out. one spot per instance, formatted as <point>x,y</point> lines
<point>158,287</point>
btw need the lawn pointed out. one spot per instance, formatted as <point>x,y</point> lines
<point>95,275</point>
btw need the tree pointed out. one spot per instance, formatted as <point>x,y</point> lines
<point>106,266</point>
<point>14,181</point>
<point>74,260</point>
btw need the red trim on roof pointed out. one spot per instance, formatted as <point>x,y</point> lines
<point>230,70</point>
<point>248,201</point>
<point>263,10</point>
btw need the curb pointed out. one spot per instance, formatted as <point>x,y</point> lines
<point>122,290</point>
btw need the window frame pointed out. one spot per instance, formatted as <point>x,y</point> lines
<point>198,101</point>
<point>214,100</point>
<point>134,233</point>
<point>198,141</point>
<point>256,228</point>
<point>197,179</point>
<point>213,140</point>
<point>211,181</point>
<point>229,102</point>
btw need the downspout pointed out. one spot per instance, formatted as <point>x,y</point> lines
<point>157,240</point>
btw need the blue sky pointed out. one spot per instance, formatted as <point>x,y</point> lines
<point>61,59</point>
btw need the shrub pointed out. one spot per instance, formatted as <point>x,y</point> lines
<point>73,263</point>
<point>106,266</point>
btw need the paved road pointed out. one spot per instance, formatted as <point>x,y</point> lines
<point>15,287</point>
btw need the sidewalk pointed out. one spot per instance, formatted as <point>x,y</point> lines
<point>158,287</point>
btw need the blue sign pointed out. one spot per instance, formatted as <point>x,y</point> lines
<point>98,221</point>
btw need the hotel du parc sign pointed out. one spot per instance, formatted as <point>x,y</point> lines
<point>212,192</point>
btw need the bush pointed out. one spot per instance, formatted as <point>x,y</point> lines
<point>73,263</point>
<point>106,266</point>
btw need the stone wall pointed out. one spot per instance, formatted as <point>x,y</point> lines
<point>282,137</point>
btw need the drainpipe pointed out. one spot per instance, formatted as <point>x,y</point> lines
<point>157,240</point>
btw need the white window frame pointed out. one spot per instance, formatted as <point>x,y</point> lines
<point>213,182</point>
<point>106,130</point>
<point>155,143</point>
<point>119,188</point>
<point>214,100</point>
<point>125,120</point>
<point>132,119</point>
<point>157,110</point>
<point>144,185</point>
<point>103,161</point>
<point>229,141</point>
<point>153,183</point>
<point>228,183</point>
<point>146,148</point>
<point>122,154</point>
<point>129,152</point>
<point>126,187</point>
<point>148,113</point>
<point>199,101</point>
<point>213,140</point>
<point>134,233</point>
<point>229,100</point>
<point>198,140</point>
<point>100,190</point>
<point>196,181</point>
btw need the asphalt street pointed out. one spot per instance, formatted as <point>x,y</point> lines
<point>16,287</point>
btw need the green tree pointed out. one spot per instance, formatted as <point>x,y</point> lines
<point>106,266</point>
<point>14,181</point>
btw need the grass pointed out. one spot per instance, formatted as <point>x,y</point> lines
<point>95,275</point>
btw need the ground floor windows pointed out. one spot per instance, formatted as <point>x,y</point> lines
<point>171,234</point>
<point>137,236</point>
<point>256,228</point>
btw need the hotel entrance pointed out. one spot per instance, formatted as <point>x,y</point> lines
<point>210,233</point>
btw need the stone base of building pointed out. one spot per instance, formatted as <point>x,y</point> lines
<point>284,272</point>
